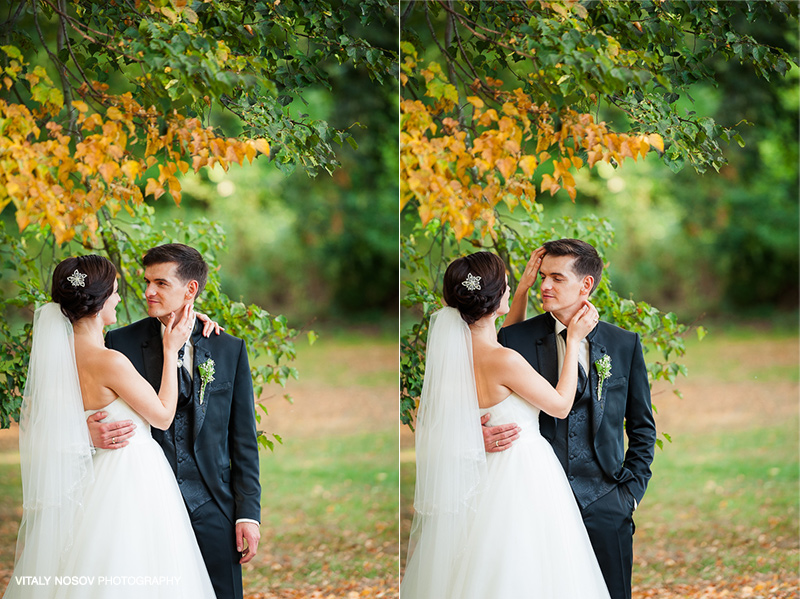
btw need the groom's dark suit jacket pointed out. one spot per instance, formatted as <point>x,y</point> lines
<point>623,406</point>
<point>225,437</point>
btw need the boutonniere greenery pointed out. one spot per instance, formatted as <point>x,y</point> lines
<point>603,366</point>
<point>206,375</point>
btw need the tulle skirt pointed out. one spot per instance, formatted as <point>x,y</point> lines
<point>525,537</point>
<point>135,537</point>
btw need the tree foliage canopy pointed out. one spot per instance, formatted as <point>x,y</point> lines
<point>105,103</point>
<point>502,101</point>
<point>137,82</point>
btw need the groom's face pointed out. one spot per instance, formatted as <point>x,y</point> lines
<point>165,292</point>
<point>562,288</point>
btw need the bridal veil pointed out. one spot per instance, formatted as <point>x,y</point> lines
<point>55,452</point>
<point>450,457</point>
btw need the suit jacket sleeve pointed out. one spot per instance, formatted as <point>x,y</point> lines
<point>243,439</point>
<point>639,425</point>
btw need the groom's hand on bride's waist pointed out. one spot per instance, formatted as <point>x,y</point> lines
<point>498,438</point>
<point>109,435</point>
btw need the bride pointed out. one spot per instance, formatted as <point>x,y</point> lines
<point>507,525</point>
<point>113,524</point>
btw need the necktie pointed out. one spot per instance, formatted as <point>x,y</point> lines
<point>582,379</point>
<point>184,380</point>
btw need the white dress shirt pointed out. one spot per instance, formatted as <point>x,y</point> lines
<point>561,346</point>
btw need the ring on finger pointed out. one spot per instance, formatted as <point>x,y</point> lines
<point>497,443</point>
<point>113,440</point>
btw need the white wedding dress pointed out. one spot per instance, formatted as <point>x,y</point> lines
<point>527,538</point>
<point>112,525</point>
<point>501,525</point>
<point>134,538</point>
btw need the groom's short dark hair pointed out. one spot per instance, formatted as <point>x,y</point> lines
<point>587,260</point>
<point>191,266</point>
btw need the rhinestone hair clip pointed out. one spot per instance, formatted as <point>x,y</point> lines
<point>472,282</point>
<point>77,279</point>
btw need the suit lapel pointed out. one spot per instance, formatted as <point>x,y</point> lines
<point>153,355</point>
<point>547,362</point>
<point>547,355</point>
<point>596,351</point>
<point>202,353</point>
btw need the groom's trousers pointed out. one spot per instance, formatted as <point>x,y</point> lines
<point>609,522</point>
<point>217,540</point>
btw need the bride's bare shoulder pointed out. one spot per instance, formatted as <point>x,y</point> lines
<point>501,357</point>
<point>105,361</point>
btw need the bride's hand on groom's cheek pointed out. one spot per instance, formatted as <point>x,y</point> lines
<point>498,438</point>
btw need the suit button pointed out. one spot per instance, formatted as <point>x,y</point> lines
<point>572,434</point>
<point>571,477</point>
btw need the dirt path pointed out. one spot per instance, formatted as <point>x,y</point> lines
<point>352,391</point>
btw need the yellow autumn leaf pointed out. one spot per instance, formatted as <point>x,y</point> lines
<point>475,101</point>
<point>655,140</point>
<point>262,146</point>
<point>131,169</point>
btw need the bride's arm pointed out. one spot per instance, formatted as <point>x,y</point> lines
<point>123,378</point>
<point>519,305</point>
<point>518,375</point>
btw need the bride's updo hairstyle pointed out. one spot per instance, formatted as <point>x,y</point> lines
<point>476,298</point>
<point>81,285</point>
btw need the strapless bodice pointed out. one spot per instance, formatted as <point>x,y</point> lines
<point>515,409</point>
<point>119,410</point>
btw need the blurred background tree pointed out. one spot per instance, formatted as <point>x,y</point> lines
<point>116,112</point>
<point>724,244</point>
<point>503,102</point>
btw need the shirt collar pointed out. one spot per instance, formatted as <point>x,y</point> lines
<point>560,326</point>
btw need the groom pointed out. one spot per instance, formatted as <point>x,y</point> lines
<point>608,482</point>
<point>211,444</point>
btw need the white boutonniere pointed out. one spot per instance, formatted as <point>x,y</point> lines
<point>206,375</point>
<point>603,366</point>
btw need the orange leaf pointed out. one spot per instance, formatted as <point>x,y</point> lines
<point>506,166</point>
<point>153,188</point>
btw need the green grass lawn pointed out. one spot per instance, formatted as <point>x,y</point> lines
<point>721,505</point>
<point>329,513</point>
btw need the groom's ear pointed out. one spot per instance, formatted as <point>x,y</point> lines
<point>586,285</point>
<point>191,289</point>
